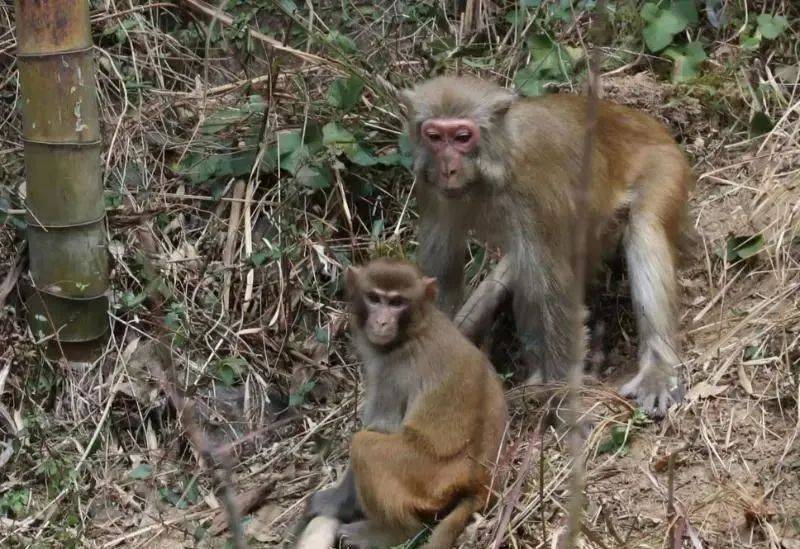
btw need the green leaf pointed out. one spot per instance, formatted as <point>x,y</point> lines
<point>750,43</point>
<point>528,83</point>
<point>321,335</point>
<point>760,124</point>
<point>685,10</point>
<point>334,134</point>
<point>227,116</point>
<point>650,12</point>
<point>618,441</point>
<point>296,159</point>
<point>141,471</point>
<point>377,228</point>
<point>664,24</point>
<point>289,141</point>
<point>530,3</point>
<point>288,6</point>
<point>739,248</point>
<point>772,26</point>
<point>550,59</point>
<point>345,93</point>
<point>687,61</point>
<point>298,398</point>
<point>314,177</point>
<point>343,42</point>
<point>229,370</point>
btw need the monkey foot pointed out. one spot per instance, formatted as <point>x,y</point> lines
<point>654,391</point>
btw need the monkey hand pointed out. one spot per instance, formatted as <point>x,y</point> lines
<point>655,390</point>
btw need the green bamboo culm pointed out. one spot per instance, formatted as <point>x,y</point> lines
<point>67,241</point>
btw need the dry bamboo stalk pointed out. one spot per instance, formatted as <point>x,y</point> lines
<point>230,242</point>
<point>476,315</point>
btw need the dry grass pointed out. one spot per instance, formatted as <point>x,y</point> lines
<point>721,471</point>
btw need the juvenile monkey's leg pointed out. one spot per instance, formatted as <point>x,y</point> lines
<point>339,502</point>
<point>446,533</point>
<point>366,534</point>
<point>650,256</point>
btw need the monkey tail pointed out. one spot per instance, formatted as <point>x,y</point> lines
<point>320,533</point>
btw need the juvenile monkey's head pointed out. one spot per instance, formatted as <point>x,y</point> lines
<point>456,125</point>
<point>388,299</point>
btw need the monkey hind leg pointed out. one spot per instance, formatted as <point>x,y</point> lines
<point>446,533</point>
<point>366,534</point>
<point>650,254</point>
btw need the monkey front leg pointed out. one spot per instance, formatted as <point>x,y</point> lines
<point>441,254</point>
<point>545,332</point>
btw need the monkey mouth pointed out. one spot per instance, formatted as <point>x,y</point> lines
<point>381,340</point>
<point>453,192</point>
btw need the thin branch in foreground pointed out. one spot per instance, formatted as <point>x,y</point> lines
<point>577,482</point>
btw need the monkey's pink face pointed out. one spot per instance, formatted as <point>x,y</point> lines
<point>387,313</point>
<point>452,143</point>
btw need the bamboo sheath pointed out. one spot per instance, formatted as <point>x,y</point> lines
<point>65,207</point>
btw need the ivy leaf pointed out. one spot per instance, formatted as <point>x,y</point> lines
<point>739,248</point>
<point>229,370</point>
<point>334,134</point>
<point>296,159</point>
<point>650,12</point>
<point>685,10</point>
<point>289,141</point>
<point>314,177</point>
<point>345,93</point>
<point>771,26</point>
<point>664,24</point>
<point>760,124</point>
<point>298,398</point>
<point>750,43</point>
<point>687,61</point>
<point>141,471</point>
<point>362,157</point>
<point>343,42</point>
<point>527,82</point>
<point>618,441</point>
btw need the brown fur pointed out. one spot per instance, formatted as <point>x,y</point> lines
<point>434,417</point>
<point>519,195</point>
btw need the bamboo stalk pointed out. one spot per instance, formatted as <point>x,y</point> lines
<point>66,214</point>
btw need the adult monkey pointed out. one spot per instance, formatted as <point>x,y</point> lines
<point>506,168</point>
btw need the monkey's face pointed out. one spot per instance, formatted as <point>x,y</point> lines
<point>388,299</point>
<point>386,315</point>
<point>451,145</point>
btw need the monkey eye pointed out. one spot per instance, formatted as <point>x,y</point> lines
<point>397,301</point>
<point>433,137</point>
<point>463,137</point>
<point>373,298</point>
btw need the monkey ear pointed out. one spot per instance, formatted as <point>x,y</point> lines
<point>431,287</point>
<point>351,276</point>
<point>407,98</point>
<point>502,103</point>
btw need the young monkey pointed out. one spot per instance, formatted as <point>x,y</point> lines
<point>434,417</point>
